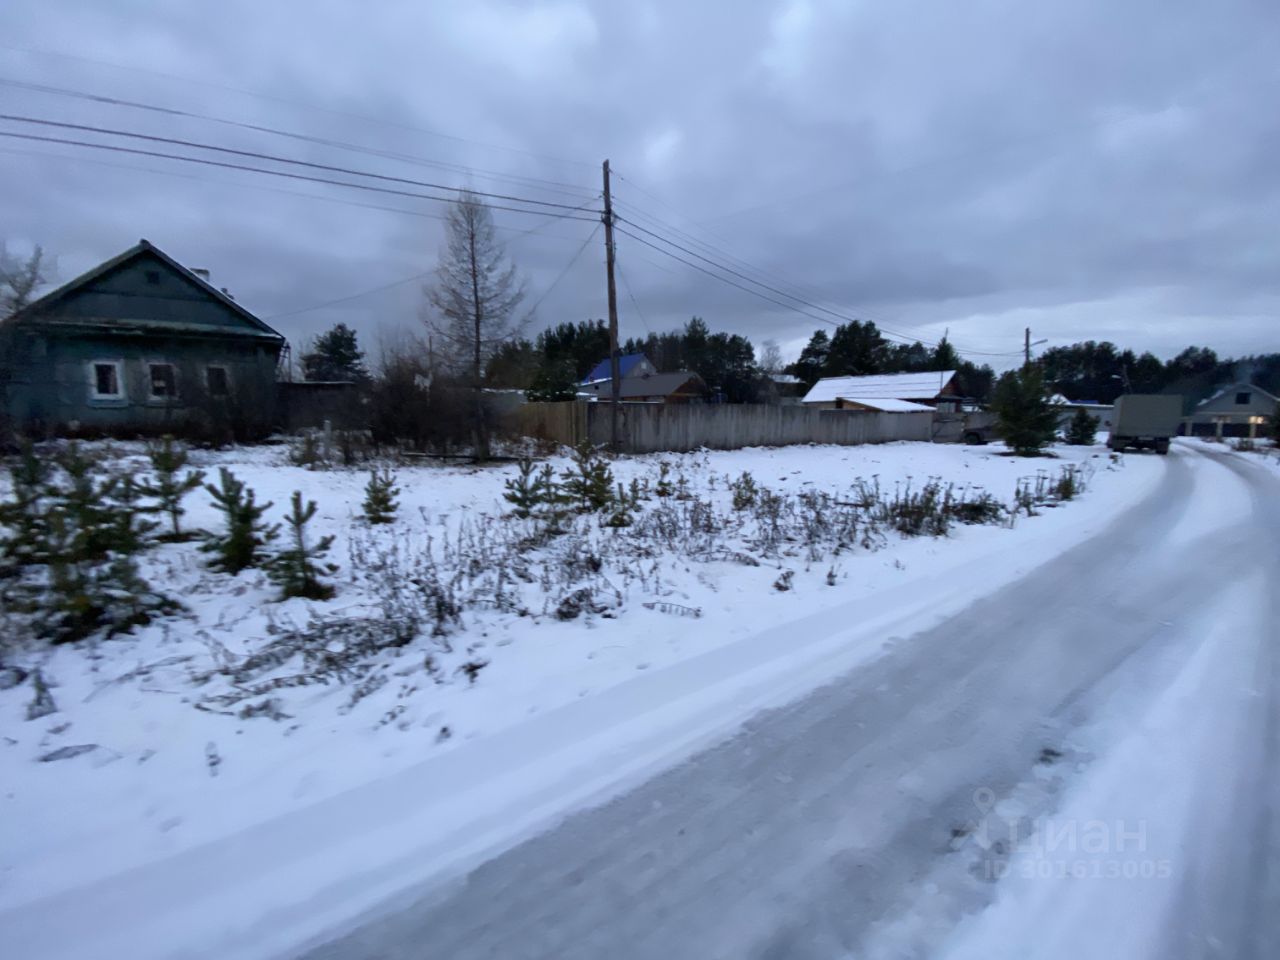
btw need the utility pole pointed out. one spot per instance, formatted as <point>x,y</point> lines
<point>615,377</point>
<point>1027,347</point>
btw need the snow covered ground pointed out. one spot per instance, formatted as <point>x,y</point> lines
<point>186,827</point>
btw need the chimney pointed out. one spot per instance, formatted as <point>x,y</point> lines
<point>201,272</point>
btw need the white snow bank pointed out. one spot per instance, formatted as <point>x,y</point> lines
<point>134,848</point>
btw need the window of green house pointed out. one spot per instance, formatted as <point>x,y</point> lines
<point>106,380</point>
<point>163,382</point>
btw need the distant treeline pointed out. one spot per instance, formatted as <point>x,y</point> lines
<point>1102,371</point>
<point>551,364</point>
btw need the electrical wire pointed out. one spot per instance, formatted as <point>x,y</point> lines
<point>567,267</point>
<point>554,186</point>
<point>630,296</point>
<point>264,170</point>
<point>840,316</point>
<point>255,155</point>
<point>732,283</point>
<point>280,190</point>
<point>31,51</point>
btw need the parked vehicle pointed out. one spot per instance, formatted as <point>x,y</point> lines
<point>968,424</point>
<point>1146,421</point>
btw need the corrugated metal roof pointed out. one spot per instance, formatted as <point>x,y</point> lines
<point>888,405</point>
<point>898,386</point>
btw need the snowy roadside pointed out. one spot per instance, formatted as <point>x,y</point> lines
<point>532,735</point>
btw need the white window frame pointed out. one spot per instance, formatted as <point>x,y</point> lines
<point>152,396</point>
<point>120,393</point>
<point>226,376</point>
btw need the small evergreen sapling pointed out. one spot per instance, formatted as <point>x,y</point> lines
<point>24,514</point>
<point>744,491</point>
<point>526,491</point>
<point>1082,429</point>
<point>246,534</point>
<point>380,497</point>
<point>664,487</point>
<point>94,527</point>
<point>295,571</point>
<point>589,484</point>
<point>169,485</point>
<point>85,503</point>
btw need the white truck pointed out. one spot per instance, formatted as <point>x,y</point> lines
<point>1146,421</point>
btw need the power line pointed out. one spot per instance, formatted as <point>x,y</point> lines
<point>843,317</point>
<point>264,170</point>
<point>630,296</point>
<point>719,252</point>
<point>567,267</point>
<point>786,306</point>
<point>772,289</point>
<point>348,299</point>
<point>287,101</point>
<point>554,186</point>
<point>255,155</point>
<point>732,283</point>
<point>551,218</point>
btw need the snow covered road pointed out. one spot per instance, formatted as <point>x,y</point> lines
<point>1112,715</point>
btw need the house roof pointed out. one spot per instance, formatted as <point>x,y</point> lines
<point>626,364</point>
<point>888,405</point>
<point>1236,387</point>
<point>898,386</point>
<point>140,249</point>
<point>647,385</point>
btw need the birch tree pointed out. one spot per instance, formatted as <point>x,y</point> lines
<point>472,303</point>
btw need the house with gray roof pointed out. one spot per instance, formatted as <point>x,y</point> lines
<point>140,344</point>
<point>1239,409</point>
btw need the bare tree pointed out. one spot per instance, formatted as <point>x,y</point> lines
<point>20,279</point>
<point>770,357</point>
<point>473,301</point>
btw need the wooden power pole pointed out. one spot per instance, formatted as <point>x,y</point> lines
<point>615,377</point>
<point>1026,349</point>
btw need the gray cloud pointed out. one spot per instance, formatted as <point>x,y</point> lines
<point>1087,168</point>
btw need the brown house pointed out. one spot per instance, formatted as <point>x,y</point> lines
<point>680,387</point>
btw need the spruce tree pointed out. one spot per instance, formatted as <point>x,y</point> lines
<point>94,527</point>
<point>99,509</point>
<point>1026,420</point>
<point>246,534</point>
<point>24,514</point>
<point>380,497</point>
<point>589,484</point>
<point>295,570</point>
<point>1082,430</point>
<point>664,487</point>
<point>525,492</point>
<point>169,486</point>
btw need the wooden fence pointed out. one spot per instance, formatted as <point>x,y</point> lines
<point>651,428</point>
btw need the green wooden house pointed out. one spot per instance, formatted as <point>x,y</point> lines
<point>139,345</point>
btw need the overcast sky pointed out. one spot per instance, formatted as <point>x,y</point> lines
<point>1092,169</point>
